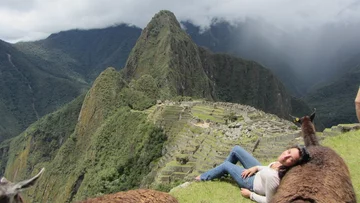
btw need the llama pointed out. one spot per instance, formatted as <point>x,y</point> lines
<point>325,178</point>
<point>9,192</point>
<point>134,196</point>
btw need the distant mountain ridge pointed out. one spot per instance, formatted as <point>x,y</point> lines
<point>89,51</point>
<point>78,56</point>
<point>51,72</point>
<point>334,100</point>
<point>29,90</point>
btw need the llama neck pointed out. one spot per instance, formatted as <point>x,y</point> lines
<point>308,131</point>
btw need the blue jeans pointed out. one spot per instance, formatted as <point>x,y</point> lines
<point>229,167</point>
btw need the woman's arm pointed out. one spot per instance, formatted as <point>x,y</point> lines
<point>257,198</point>
<point>357,105</point>
<point>249,172</point>
<point>271,185</point>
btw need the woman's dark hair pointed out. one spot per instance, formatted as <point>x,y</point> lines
<point>304,157</point>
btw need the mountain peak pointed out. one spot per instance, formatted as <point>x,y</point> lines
<point>167,53</point>
<point>164,17</point>
<point>162,21</point>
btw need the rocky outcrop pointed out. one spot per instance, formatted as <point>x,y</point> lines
<point>167,53</point>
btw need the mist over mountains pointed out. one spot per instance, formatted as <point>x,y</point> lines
<point>301,59</point>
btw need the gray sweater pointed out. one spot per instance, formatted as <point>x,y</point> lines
<point>265,184</point>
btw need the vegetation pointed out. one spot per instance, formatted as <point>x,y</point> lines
<point>210,192</point>
<point>147,85</point>
<point>30,89</point>
<point>137,100</point>
<point>38,145</point>
<point>246,82</point>
<point>106,166</point>
<point>209,113</point>
<point>142,93</point>
<point>166,53</point>
<point>121,152</point>
<point>110,148</point>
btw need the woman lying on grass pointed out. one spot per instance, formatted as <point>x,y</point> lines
<point>257,182</point>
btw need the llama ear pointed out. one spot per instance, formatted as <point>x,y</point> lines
<point>26,183</point>
<point>312,116</point>
<point>4,180</point>
<point>295,119</point>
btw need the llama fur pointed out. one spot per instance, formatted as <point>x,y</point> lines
<point>324,179</point>
<point>134,196</point>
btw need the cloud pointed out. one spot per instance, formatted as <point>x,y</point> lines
<point>35,19</point>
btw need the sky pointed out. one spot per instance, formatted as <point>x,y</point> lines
<point>28,20</point>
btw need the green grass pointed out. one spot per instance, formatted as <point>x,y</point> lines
<point>210,192</point>
<point>208,112</point>
<point>345,145</point>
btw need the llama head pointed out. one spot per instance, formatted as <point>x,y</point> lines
<point>304,118</point>
<point>308,129</point>
<point>9,192</point>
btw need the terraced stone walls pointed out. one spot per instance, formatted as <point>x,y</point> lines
<point>199,137</point>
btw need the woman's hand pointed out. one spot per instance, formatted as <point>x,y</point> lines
<point>249,172</point>
<point>245,192</point>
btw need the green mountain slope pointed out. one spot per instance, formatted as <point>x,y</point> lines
<point>96,156</point>
<point>335,101</point>
<point>247,40</point>
<point>167,53</point>
<point>29,90</point>
<point>38,145</point>
<point>246,82</point>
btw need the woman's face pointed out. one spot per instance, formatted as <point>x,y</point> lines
<point>289,157</point>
